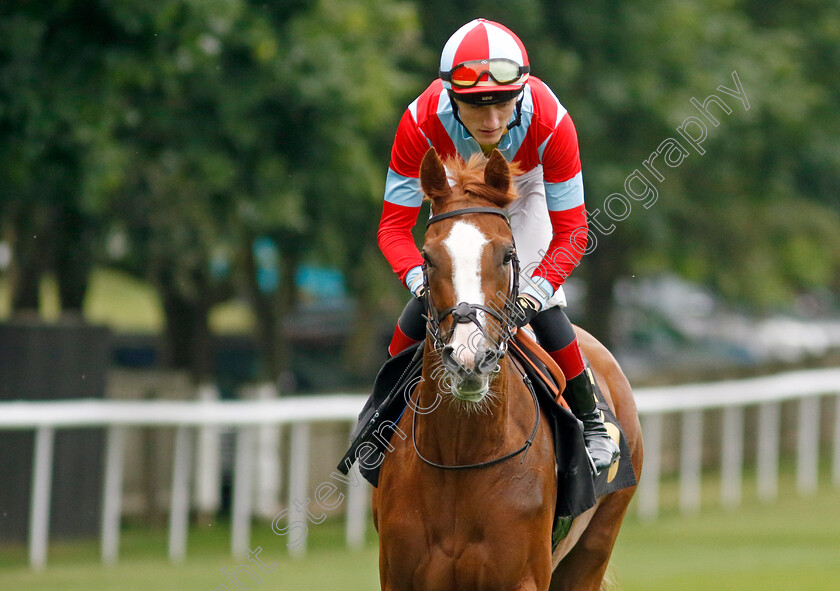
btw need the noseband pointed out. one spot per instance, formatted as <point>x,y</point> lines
<point>465,312</point>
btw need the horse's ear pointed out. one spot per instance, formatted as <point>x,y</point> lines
<point>433,176</point>
<point>497,172</point>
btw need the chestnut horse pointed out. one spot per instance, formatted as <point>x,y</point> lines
<point>466,502</point>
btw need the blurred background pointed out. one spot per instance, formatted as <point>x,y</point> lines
<point>189,196</point>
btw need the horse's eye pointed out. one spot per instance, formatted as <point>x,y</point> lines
<point>508,257</point>
<point>427,259</point>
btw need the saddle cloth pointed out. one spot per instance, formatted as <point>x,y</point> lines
<point>577,490</point>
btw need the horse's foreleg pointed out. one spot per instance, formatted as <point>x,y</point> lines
<point>583,568</point>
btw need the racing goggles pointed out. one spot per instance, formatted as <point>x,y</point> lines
<point>468,74</point>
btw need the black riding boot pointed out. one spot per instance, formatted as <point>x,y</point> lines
<point>580,394</point>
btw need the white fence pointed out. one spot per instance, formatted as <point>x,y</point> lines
<point>808,387</point>
<point>733,397</point>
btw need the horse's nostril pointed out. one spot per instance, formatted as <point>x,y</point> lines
<point>458,360</point>
<point>448,358</point>
<point>487,362</point>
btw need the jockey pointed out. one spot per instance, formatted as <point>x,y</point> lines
<point>486,98</point>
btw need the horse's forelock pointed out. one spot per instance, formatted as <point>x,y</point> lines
<point>469,178</point>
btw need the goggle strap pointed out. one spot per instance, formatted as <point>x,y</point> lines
<point>518,120</point>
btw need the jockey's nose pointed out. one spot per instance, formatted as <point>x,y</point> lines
<point>492,118</point>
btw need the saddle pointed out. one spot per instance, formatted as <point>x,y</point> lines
<point>577,490</point>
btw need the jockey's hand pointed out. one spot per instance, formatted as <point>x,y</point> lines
<point>415,283</point>
<point>526,308</point>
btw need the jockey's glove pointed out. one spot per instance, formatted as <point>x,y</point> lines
<point>532,299</point>
<point>539,289</point>
<point>526,308</point>
<point>414,282</point>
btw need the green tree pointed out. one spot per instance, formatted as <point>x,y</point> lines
<point>166,173</point>
<point>735,216</point>
<point>243,122</point>
<point>354,61</point>
<point>51,66</point>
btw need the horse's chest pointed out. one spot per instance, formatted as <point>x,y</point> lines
<point>482,530</point>
<point>479,568</point>
<point>476,535</point>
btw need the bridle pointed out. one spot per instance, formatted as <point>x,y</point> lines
<point>465,312</point>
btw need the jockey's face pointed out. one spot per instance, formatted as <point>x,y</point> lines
<point>486,123</point>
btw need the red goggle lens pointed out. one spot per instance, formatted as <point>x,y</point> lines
<point>469,74</point>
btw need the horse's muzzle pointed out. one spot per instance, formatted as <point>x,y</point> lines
<point>480,363</point>
<point>470,373</point>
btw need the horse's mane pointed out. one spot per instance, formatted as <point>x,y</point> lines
<point>469,177</point>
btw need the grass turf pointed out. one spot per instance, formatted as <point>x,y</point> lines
<point>791,545</point>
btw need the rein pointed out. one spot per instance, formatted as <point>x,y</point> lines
<point>522,450</point>
<point>465,312</point>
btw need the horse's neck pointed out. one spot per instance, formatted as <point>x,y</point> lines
<point>445,424</point>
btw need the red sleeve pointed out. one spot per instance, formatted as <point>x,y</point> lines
<point>561,157</point>
<point>568,243</point>
<point>402,198</point>
<point>395,239</point>
<point>410,145</point>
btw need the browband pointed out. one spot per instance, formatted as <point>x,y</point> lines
<point>467,210</point>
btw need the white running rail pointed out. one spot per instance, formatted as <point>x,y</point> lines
<point>767,393</point>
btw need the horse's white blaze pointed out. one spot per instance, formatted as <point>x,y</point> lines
<point>465,244</point>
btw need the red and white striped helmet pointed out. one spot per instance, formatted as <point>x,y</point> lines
<point>484,57</point>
